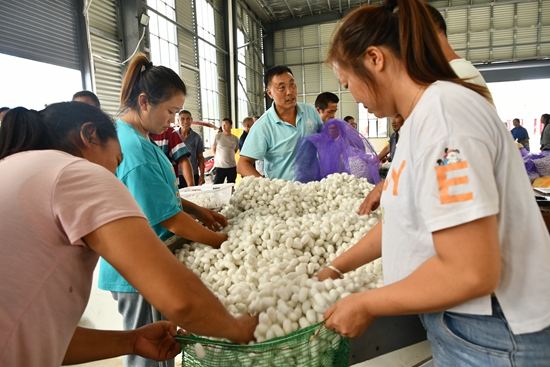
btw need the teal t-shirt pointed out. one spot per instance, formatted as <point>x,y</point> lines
<point>274,141</point>
<point>148,174</point>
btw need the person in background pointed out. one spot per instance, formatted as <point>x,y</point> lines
<point>351,120</point>
<point>545,135</point>
<point>171,143</point>
<point>326,104</point>
<point>463,68</point>
<point>520,134</point>
<point>449,252</point>
<point>247,124</point>
<point>389,150</point>
<point>194,143</point>
<point>277,133</point>
<point>256,118</point>
<point>82,211</point>
<point>87,97</point>
<point>224,147</point>
<point>151,96</point>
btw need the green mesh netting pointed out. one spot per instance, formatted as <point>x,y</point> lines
<point>313,346</point>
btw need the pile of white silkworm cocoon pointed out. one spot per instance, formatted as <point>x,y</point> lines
<point>206,200</point>
<point>280,234</point>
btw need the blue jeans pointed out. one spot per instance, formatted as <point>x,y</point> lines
<point>136,312</point>
<point>462,340</point>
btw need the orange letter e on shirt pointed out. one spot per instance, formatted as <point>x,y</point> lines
<point>445,183</point>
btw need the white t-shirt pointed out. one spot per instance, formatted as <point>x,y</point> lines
<point>226,146</point>
<point>456,163</point>
<point>464,69</point>
<point>49,200</point>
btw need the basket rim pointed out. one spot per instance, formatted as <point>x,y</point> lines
<point>208,187</point>
<point>194,339</point>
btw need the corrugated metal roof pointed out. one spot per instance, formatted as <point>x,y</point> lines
<point>480,30</point>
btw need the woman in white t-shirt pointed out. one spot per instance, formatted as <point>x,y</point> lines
<point>224,147</point>
<point>61,207</point>
<point>451,246</point>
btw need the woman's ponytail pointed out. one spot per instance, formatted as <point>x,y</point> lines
<point>158,83</point>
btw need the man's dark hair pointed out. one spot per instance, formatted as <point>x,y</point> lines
<point>228,120</point>
<point>274,71</point>
<point>91,95</point>
<point>185,111</point>
<point>347,118</point>
<point>324,98</point>
<point>437,18</point>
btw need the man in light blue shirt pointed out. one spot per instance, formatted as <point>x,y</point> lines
<point>275,135</point>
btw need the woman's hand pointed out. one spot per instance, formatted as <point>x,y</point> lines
<point>156,341</point>
<point>245,331</point>
<point>326,273</point>
<point>349,317</point>
<point>210,218</point>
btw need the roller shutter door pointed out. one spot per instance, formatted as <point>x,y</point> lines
<point>38,30</point>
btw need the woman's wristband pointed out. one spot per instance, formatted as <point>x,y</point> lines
<point>336,270</point>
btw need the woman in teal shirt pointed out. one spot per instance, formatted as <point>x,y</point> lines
<point>151,96</point>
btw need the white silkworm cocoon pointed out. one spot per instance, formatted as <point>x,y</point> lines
<point>311,316</point>
<point>372,221</point>
<point>304,293</point>
<point>306,305</point>
<point>199,351</point>
<point>319,300</point>
<point>299,311</point>
<point>292,316</point>
<point>267,302</point>
<point>287,326</point>
<point>280,318</point>
<point>262,328</point>
<point>303,323</point>
<point>320,309</point>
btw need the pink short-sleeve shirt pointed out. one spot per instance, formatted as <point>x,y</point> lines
<point>49,200</point>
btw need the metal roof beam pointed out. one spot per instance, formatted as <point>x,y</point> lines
<point>308,20</point>
<point>310,9</point>
<point>290,9</point>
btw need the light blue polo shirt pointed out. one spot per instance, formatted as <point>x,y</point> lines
<point>148,174</point>
<point>274,141</point>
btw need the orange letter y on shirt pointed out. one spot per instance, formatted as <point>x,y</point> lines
<point>394,178</point>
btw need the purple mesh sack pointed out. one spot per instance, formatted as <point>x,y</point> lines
<point>536,164</point>
<point>337,148</point>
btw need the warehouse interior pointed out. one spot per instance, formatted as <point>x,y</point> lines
<point>221,50</point>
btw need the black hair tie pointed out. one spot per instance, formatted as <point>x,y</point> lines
<point>147,66</point>
<point>388,5</point>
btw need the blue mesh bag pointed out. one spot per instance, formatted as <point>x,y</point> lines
<point>337,148</point>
